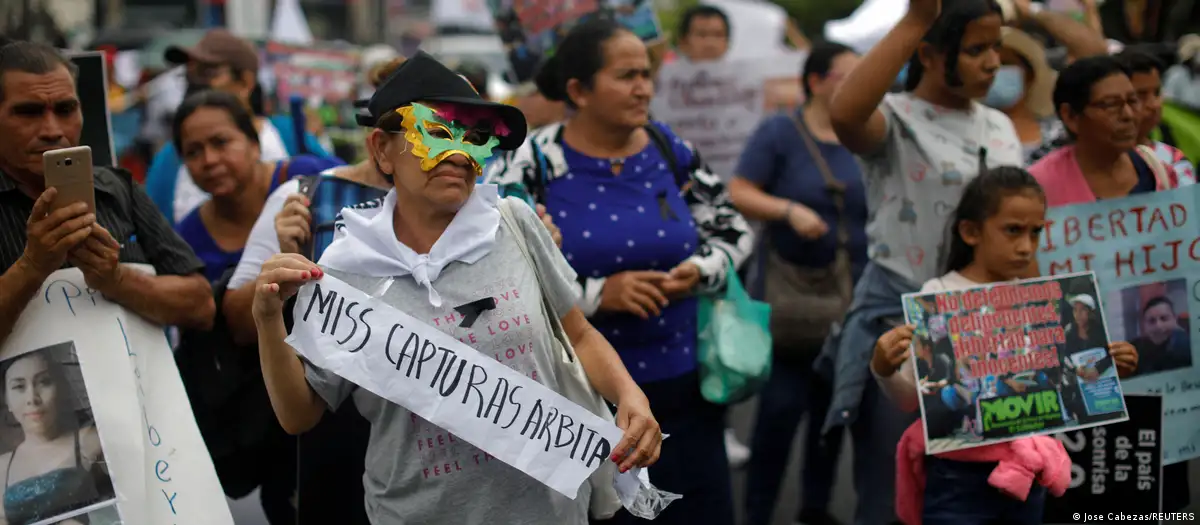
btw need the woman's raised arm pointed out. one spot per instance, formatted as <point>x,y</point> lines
<point>296,404</point>
<point>854,110</point>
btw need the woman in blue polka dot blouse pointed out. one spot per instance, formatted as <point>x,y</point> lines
<point>647,227</point>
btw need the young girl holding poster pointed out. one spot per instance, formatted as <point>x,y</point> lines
<point>993,239</point>
<point>918,149</point>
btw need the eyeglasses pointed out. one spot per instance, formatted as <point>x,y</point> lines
<point>1114,106</point>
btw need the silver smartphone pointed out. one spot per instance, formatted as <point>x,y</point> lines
<point>70,171</point>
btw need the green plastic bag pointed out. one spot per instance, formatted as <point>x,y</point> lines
<point>735,344</point>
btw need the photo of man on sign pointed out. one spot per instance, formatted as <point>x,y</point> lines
<point>1154,317</point>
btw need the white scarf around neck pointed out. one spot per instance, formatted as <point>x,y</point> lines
<point>365,241</point>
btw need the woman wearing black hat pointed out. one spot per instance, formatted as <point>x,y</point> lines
<point>439,241</point>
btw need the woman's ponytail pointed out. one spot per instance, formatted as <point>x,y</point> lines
<point>549,79</point>
<point>914,73</point>
<point>578,56</point>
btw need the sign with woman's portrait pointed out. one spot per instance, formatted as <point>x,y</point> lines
<point>97,426</point>
<point>50,448</point>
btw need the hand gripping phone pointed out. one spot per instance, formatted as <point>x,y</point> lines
<point>70,171</point>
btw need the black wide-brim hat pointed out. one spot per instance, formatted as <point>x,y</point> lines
<point>423,79</point>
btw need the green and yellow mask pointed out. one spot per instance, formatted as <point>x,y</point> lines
<point>449,129</point>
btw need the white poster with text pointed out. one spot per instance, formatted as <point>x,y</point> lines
<point>717,105</point>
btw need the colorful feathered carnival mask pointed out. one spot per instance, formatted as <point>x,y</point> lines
<point>438,132</point>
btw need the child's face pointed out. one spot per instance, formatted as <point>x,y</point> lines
<point>1006,243</point>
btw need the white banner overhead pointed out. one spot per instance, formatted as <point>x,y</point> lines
<point>466,14</point>
<point>100,383</point>
<point>867,25</point>
<point>289,25</point>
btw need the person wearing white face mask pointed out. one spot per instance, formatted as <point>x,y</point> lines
<point>1024,83</point>
<point>1022,90</point>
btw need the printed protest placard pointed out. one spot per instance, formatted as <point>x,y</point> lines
<point>112,399</point>
<point>328,75</point>
<point>474,397</point>
<point>1115,468</point>
<point>532,29</point>
<point>1145,252</point>
<point>1009,360</point>
<point>717,105</point>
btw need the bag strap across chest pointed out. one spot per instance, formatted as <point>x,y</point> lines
<point>836,190</point>
<point>542,165</point>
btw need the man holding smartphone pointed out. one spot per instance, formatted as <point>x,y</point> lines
<point>40,112</point>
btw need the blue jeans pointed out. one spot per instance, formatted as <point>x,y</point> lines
<point>874,436</point>
<point>693,461</point>
<point>875,423</point>
<point>958,493</point>
<point>792,390</point>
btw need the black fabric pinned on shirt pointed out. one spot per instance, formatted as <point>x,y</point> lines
<point>472,310</point>
<point>664,208</point>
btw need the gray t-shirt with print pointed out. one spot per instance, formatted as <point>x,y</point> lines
<point>419,474</point>
<point>915,180</point>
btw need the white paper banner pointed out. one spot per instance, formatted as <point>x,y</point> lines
<point>717,105</point>
<point>449,384</point>
<point>472,14</point>
<point>131,395</point>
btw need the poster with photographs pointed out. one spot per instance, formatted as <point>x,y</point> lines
<point>50,444</point>
<point>532,29</point>
<point>1003,361</point>
<point>98,428</point>
<point>1145,252</point>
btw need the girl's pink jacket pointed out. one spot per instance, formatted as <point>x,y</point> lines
<point>1021,462</point>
